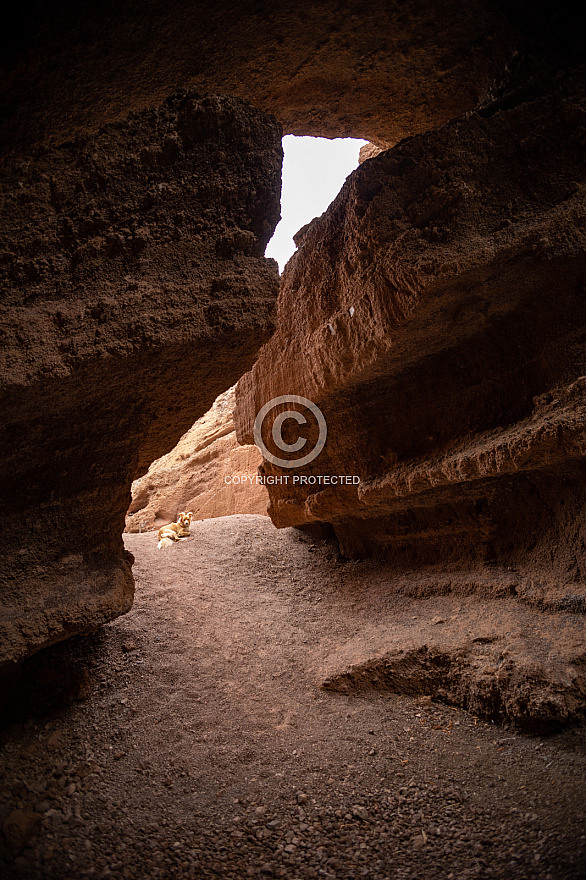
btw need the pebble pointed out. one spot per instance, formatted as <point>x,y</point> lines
<point>54,742</point>
<point>42,806</point>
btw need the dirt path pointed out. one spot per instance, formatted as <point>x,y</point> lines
<point>204,746</point>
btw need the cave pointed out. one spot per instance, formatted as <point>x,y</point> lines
<point>423,474</point>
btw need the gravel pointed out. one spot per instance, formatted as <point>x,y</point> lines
<point>208,749</point>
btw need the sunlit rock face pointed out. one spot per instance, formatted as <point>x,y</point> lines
<point>207,473</point>
<point>134,291</point>
<point>436,314</point>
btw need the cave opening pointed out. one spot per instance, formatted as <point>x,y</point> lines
<point>314,170</point>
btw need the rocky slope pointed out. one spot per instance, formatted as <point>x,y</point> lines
<point>134,291</point>
<point>198,475</point>
<point>436,314</point>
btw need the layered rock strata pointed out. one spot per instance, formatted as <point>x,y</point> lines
<point>134,291</point>
<point>436,314</point>
<point>208,473</point>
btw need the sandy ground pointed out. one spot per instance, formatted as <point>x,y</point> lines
<point>192,738</point>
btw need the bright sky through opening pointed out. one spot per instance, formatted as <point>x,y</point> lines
<point>314,170</point>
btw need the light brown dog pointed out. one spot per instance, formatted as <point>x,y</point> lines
<point>176,531</point>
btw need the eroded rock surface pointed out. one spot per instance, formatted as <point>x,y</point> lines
<point>536,695</point>
<point>436,314</point>
<point>368,151</point>
<point>134,291</point>
<point>382,70</point>
<point>208,473</point>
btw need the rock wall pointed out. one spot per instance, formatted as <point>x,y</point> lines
<point>198,475</point>
<point>134,291</point>
<point>436,313</point>
<point>379,70</point>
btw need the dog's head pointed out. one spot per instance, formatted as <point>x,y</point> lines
<point>185,518</point>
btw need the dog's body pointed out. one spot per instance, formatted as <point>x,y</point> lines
<point>177,531</point>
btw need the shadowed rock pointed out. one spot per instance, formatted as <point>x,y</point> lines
<point>379,70</point>
<point>134,291</point>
